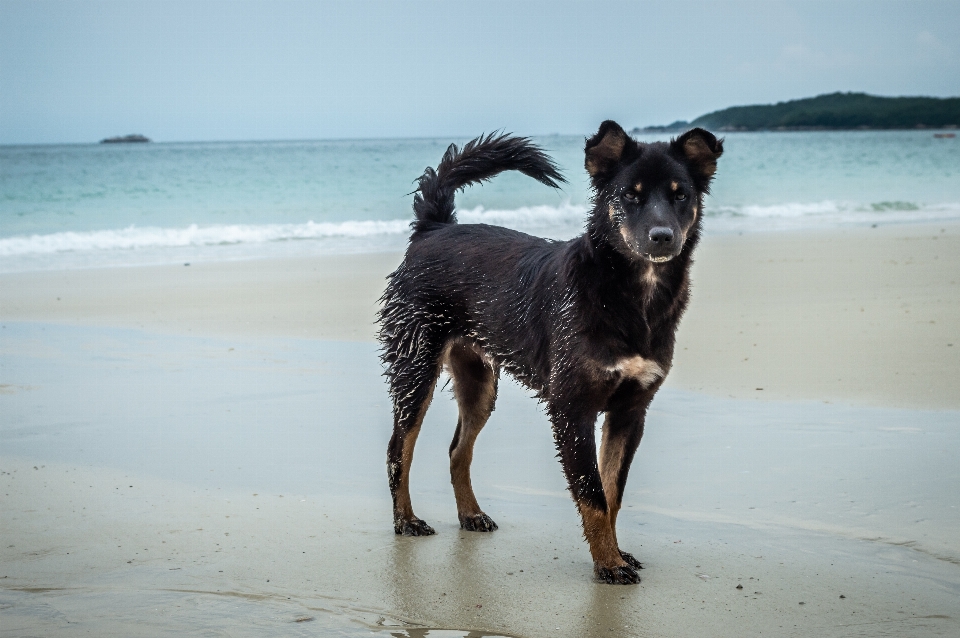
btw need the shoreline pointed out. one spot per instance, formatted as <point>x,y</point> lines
<point>863,315</point>
<point>157,246</point>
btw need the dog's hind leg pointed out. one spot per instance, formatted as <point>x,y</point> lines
<point>475,387</point>
<point>412,380</point>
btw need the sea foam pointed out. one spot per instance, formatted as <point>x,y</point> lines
<point>544,218</point>
<point>132,237</point>
<point>561,221</point>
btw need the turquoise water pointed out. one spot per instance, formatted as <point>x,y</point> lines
<point>82,205</point>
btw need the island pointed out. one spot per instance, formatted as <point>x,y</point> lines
<point>829,112</point>
<point>133,138</point>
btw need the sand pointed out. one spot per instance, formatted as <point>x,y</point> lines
<point>326,297</point>
<point>857,314</point>
<point>200,450</point>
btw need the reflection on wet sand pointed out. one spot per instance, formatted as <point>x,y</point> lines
<point>609,611</point>
<point>443,633</point>
<point>445,577</point>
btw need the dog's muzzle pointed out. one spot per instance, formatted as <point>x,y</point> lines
<point>661,244</point>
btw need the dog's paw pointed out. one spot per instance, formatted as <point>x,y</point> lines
<point>477,523</point>
<point>630,560</point>
<point>622,575</point>
<point>415,527</point>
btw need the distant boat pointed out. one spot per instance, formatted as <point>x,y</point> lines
<point>126,139</point>
<point>944,136</point>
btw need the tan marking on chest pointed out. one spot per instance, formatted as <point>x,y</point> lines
<point>650,276</point>
<point>645,371</point>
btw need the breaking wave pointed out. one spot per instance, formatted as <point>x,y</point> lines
<point>557,221</point>
<point>153,237</point>
<point>825,214</point>
<point>544,218</point>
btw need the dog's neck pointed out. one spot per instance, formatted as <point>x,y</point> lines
<point>642,300</point>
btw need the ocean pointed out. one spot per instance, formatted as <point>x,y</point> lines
<point>79,206</point>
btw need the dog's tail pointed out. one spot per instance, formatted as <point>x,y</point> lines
<point>480,160</point>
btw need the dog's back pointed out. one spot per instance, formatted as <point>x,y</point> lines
<point>443,289</point>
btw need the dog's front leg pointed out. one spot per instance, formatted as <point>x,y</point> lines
<point>622,430</point>
<point>574,437</point>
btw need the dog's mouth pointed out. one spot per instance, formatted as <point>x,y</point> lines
<point>658,260</point>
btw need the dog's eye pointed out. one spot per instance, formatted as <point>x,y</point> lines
<point>680,196</point>
<point>630,196</point>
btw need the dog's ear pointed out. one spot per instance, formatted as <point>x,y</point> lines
<point>700,150</point>
<point>604,149</point>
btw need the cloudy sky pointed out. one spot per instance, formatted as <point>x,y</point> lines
<point>198,70</point>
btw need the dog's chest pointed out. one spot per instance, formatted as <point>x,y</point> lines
<point>646,372</point>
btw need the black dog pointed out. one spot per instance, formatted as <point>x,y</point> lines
<point>589,324</point>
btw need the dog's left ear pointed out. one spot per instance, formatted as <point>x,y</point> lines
<point>604,150</point>
<point>700,150</point>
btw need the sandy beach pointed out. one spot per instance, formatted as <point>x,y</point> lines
<point>200,449</point>
<point>856,314</point>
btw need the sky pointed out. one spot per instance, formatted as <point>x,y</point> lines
<point>74,72</point>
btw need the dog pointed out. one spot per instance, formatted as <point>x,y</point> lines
<point>587,324</point>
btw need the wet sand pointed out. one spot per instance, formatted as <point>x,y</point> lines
<point>222,471</point>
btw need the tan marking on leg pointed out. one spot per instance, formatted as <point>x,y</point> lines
<point>611,460</point>
<point>613,526</point>
<point>471,422</point>
<point>596,527</point>
<point>403,504</point>
<point>475,388</point>
<point>403,507</point>
<point>460,460</point>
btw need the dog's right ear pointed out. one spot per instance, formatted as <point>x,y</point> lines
<point>604,150</point>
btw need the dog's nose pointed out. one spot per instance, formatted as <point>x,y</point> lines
<point>661,235</point>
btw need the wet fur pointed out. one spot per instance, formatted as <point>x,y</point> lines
<point>588,324</point>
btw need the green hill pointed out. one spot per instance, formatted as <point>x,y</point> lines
<point>835,111</point>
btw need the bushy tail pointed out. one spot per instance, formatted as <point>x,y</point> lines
<point>480,160</point>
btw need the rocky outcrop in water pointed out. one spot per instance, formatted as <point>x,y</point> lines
<point>133,138</point>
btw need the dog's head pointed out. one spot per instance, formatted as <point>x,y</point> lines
<point>649,196</point>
